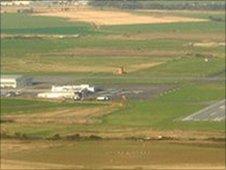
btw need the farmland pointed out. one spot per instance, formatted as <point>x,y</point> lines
<point>185,58</point>
<point>125,42</point>
<point>111,155</point>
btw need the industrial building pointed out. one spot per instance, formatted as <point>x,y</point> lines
<point>75,92</point>
<point>14,81</point>
<point>15,3</point>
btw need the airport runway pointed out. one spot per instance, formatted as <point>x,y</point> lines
<point>215,112</point>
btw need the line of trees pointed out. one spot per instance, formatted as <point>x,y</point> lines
<point>161,4</point>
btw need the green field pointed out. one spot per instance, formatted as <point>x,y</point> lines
<point>161,42</point>
<point>26,106</point>
<point>143,114</point>
<point>175,69</point>
<point>98,52</point>
<point>24,24</point>
<point>177,105</point>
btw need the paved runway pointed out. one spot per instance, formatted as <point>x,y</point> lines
<point>215,112</point>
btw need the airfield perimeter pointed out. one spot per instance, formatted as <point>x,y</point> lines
<point>176,68</point>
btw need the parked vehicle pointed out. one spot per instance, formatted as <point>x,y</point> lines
<point>103,98</point>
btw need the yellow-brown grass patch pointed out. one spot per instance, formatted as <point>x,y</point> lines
<point>99,17</point>
<point>64,116</point>
<point>25,165</point>
<point>138,67</point>
<point>36,66</point>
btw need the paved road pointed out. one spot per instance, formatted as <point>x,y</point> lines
<point>215,112</point>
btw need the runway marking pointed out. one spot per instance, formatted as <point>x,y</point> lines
<point>214,112</point>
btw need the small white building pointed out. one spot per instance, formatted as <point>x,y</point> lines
<point>59,95</point>
<point>75,92</point>
<point>15,3</point>
<point>14,81</point>
<point>6,3</point>
<point>20,3</point>
<point>73,88</point>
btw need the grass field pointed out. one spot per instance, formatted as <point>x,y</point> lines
<point>143,114</point>
<point>24,24</point>
<point>111,155</point>
<point>177,104</point>
<point>160,53</point>
<point>26,106</point>
<point>152,54</point>
<point>153,59</point>
<point>155,42</point>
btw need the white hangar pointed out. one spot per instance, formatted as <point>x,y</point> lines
<point>14,81</point>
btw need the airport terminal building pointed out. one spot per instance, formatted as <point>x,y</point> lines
<point>14,81</point>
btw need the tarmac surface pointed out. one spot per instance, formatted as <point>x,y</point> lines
<point>114,92</point>
<point>214,112</point>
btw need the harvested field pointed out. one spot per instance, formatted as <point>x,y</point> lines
<point>66,116</point>
<point>74,66</point>
<point>98,17</point>
<point>14,146</point>
<point>24,165</point>
<point>144,66</point>
<point>118,154</point>
<point>209,44</point>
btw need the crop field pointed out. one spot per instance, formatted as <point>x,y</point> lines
<point>181,51</point>
<point>123,45</point>
<point>100,17</point>
<point>111,155</point>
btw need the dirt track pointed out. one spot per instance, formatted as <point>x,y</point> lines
<point>98,17</point>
